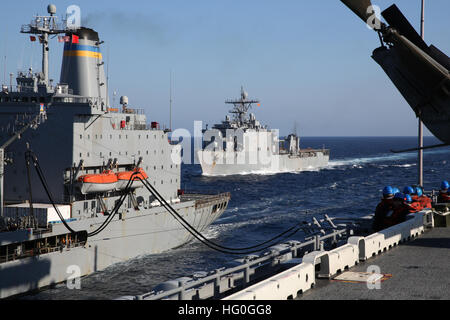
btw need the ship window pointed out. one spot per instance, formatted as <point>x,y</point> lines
<point>147,152</point>
<point>120,136</point>
<point>154,151</point>
<point>110,153</point>
<point>147,136</point>
<point>81,136</point>
<point>93,204</point>
<point>101,136</point>
<point>41,99</point>
<point>81,154</point>
<point>126,136</point>
<point>126,153</point>
<point>162,182</point>
<point>139,136</point>
<point>155,136</point>
<point>24,99</point>
<point>139,152</point>
<point>89,136</point>
<point>100,154</point>
<point>85,204</point>
<point>110,136</point>
<point>154,167</point>
<point>162,167</point>
<point>162,151</point>
<point>88,154</point>
<point>96,136</point>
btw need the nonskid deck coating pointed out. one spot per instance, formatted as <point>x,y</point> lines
<point>420,269</point>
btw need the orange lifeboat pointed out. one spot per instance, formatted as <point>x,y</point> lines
<point>125,176</point>
<point>96,183</point>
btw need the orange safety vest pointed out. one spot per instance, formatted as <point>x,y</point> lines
<point>425,201</point>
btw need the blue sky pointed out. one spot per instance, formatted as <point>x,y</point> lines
<point>307,61</point>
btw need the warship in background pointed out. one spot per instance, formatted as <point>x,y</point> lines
<point>241,145</point>
<point>334,246</point>
<point>103,179</point>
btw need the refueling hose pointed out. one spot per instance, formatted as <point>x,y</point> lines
<point>195,233</point>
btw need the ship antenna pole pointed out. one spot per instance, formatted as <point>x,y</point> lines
<point>170,102</point>
<point>420,159</point>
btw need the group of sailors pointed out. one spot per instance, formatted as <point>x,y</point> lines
<point>396,205</point>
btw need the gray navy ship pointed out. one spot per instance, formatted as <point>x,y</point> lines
<point>242,145</point>
<point>84,185</point>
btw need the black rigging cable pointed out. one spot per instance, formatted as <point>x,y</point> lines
<point>47,190</point>
<point>195,233</point>
<point>207,242</point>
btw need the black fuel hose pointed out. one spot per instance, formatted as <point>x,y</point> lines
<point>195,233</point>
<point>246,250</point>
<point>47,190</point>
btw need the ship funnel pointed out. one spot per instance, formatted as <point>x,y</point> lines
<point>82,66</point>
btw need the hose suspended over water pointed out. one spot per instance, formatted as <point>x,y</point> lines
<point>246,250</point>
<point>195,233</point>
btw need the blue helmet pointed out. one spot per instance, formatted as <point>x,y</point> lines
<point>396,190</point>
<point>445,185</point>
<point>399,195</point>
<point>408,190</point>
<point>419,191</point>
<point>388,192</point>
<point>408,198</point>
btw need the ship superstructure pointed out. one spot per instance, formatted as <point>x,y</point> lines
<point>88,154</point>
<point>241,145</point>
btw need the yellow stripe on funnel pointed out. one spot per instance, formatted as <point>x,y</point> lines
<point>82,53</point>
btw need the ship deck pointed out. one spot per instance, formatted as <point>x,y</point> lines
<point>415,270</point>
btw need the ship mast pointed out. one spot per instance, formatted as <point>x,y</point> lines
<point>43,26</point>
<point>241,106</point>
<point>420,155</point>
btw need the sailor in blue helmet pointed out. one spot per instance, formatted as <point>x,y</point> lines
<point>384,209</point>
<point>400,209</point>
<point>444,196</point>
<point>408,190</point>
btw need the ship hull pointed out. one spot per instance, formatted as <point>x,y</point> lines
<point>222,166</point>
<point>130,235</point>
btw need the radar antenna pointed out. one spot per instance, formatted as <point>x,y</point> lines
<point>241,106</point>
<point>43,26</point>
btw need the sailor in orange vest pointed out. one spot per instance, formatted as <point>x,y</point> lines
<point>415,205</point>
<point>384,209</point>
<point>423,199</point>
<point>412,206</point>
<point>444,196</point>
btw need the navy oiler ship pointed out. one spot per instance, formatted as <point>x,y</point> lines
<point>84,185</point>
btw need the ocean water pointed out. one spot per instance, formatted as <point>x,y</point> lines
<point>263,206</point>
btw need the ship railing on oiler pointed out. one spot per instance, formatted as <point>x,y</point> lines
<point>239,276</point>
<point>206,197</point>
